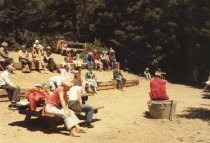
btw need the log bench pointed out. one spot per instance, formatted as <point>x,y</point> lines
<point>18,65</point>
<point>105,85</point>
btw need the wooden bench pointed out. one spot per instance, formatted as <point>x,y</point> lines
<point>113,84</point>
<point>18,65</point>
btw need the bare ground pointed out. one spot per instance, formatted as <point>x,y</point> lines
<point>124,118</point>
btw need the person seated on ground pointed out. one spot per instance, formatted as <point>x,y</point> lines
<point>112,57</point>
<point>147,74</point>
<point>37,45</point>
<point>37,58</point>
<point>96,60</point>
<point>75,104</point>
<point>66,62</point>
<point>105,60</point>
<point>91,79</point>
<point>56,105</point>
<point>49,60</point>
<point>5,59</point>
<point>23,57</point>
<point>67,72</point>
<point>88,60</point>
<point>117,75</point>
<point>158,88</point>
<point>13,91</point>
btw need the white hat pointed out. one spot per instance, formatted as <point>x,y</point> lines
<point>36,42</point>
<point>4,44</point>
<point>158,74</point>
<point>48,48</point>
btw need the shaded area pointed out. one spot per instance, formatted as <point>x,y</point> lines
<point>38,124</point>
<point>147,115</point>
<point>196,113</point>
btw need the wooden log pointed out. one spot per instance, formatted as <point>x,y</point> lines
<point>105,87</point>
<point>164,109</point>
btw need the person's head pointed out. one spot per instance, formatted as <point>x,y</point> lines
<point>23,47</point>
<point>158,74</point>
<point>36,42</point>
<point>66,59</point>
<point>48,49</point>
<point>10,68</point>
<point>4,44</point>
<point>66,66</point>
<point>147,69</point>
<point>117,66</point>
<point>95,50</point>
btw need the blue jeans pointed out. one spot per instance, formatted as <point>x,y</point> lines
<point>88,112</point>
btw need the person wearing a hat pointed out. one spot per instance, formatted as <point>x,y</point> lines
<point>5,59</point>
<point>147,74</point>
<point>158,88</point>
<point>23,57</point>
<point>39,46</point>
<point>49,60</point>
<point>57,105</point>
<point>117,75</point>
<point>112,57</point>
<point>12,89</point>
<point>37,59</point>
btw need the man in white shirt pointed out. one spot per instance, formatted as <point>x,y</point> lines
<point>74,94</point>
<point>13,91</point>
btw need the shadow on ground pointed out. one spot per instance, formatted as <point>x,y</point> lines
<point>196,113</point>
<point>38,124</point>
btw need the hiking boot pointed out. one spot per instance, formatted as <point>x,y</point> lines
<point>88,125</point>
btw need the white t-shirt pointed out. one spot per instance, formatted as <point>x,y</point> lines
<point>73,92</point>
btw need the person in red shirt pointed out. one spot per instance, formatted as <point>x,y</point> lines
<point>57,105</point>
<point>158,88</point>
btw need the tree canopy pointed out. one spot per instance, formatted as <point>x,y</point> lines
<point>171,34</point>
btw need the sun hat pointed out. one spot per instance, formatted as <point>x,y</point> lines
<point>36,42</point>
<point>4,44</point>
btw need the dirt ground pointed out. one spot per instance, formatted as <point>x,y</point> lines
<point>124,118</point>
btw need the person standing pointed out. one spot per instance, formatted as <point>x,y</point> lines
<point>13,91</point>
<point>117,75</point>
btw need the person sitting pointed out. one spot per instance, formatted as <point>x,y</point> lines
<point>160,72</point>
<point>13,91</point>
<point>5,59</point>
<point>105,60</point>
<point>23,57</point>
<point>37,45</point>
<point>88,59</point>
<point>147,74</point>
<point>37,59</point>
<point>74,97</point>
<point>57,105</point>
<point>91,79</point>
<point>96,60</point>
<point>51,65</point>
<point>117,75</point>
<point>76,58</point>
<point>158,88</point>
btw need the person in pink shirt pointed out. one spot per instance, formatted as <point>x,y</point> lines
<point>57,105</point>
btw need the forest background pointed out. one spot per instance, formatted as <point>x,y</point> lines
<point>171,34</point>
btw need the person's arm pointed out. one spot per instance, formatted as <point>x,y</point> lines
<point>3,54</point>
<point>79,95</point>
<point>63,102</point>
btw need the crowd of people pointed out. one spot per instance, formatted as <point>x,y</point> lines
<point>65,89</point>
